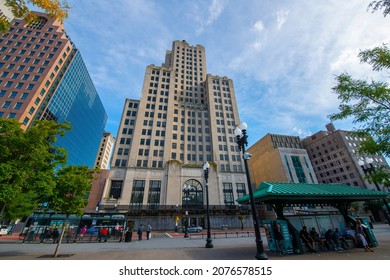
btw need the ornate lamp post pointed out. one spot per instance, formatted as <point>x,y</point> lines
<point>186,190</point>
<point>209,241</point>
<point>367,171</point>
<point>242,141</point>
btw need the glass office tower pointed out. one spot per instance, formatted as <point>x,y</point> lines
<point>42,76</point>
<point>76,101</point>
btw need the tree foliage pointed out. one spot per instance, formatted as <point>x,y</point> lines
<point>368,102</point>
<point>19,8</point>
<point>28,160</point>
<point>72,184</point>
<point>380,4</point>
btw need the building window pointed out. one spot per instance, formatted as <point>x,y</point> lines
<point>154,194</point>
<point>241,191</point>
<point>137,194</point>
<point>116,189</point>
<point>228,196</point>
<point>299,169</point>
<point>26,120</point>
<point>6,104</point>
<point>18,105</point>
<point>38,24</point>
<point>192,193</point>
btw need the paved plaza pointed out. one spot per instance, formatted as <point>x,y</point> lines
<point>164,247</point>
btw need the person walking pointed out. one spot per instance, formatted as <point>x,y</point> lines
<point>55,235</point>
<point>278,236</point>
<point>148,231</point>
<point>139,232</point>
<point>83,230</point>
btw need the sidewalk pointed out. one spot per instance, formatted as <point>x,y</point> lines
<point>178,248</point>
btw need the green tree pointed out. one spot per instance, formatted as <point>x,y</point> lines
<point>28,160</point>
<point>380,4</point>
<point>374,206</point>
<point>19,8</point>
<point>368,102</point>
<point>72,184</point>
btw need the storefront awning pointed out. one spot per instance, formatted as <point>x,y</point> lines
<point>270,192</point>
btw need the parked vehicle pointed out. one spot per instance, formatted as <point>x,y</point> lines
<point>193,229</point>
<point>3,230</point>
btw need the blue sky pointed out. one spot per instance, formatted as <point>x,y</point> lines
<point>282,56</point>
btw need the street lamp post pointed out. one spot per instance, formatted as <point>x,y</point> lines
<point>242,141</point>
<point>367,171</point>
<point>186,191</point>
<point>209,241</point>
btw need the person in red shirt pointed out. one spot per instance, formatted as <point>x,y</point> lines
<point>103,234</point>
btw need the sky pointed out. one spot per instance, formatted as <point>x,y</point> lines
<point>282,55</point>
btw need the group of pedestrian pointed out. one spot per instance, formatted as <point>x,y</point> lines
<point>335,240</point>
<point>141,229</point>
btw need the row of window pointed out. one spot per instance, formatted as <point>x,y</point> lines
<point>25,77</point>
<point>164,73</point>
<point>31,53</point>
<point>223,82</point>
<point>12,115</point>
<point>28,45</point>
<point>21,68</point>
<point>18,85</point>
<point>192,192</point>
<point>190,157</point>
<point>18,105</point>
<point>14,94</point>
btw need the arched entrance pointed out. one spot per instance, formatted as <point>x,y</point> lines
<point>192,203</point>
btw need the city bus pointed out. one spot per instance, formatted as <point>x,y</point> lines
<point>39,226</point>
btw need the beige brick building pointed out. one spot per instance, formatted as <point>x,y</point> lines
<point>184,118</point>
<point>280,158</point>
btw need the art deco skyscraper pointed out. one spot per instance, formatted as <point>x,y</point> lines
<point>43,76</point>
<point>184,118</point>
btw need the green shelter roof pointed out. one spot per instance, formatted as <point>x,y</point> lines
<point>271,192</point>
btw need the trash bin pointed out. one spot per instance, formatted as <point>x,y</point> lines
<point>128,236</point>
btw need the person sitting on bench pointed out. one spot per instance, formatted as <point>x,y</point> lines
<point>309,242</point>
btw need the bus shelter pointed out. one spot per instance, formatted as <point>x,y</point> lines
<point>338,196</point>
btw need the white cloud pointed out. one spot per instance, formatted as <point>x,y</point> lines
<point>344,60</point>
<point>259,26</point>
<point>281,17</point>
<point>301,60</point>
<point>281,55</point>
<point>301,132</point>
<point>214,12</point>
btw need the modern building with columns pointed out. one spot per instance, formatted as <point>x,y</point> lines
<point>184,118</point>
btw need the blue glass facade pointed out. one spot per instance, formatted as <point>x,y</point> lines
<point>76,100</point>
